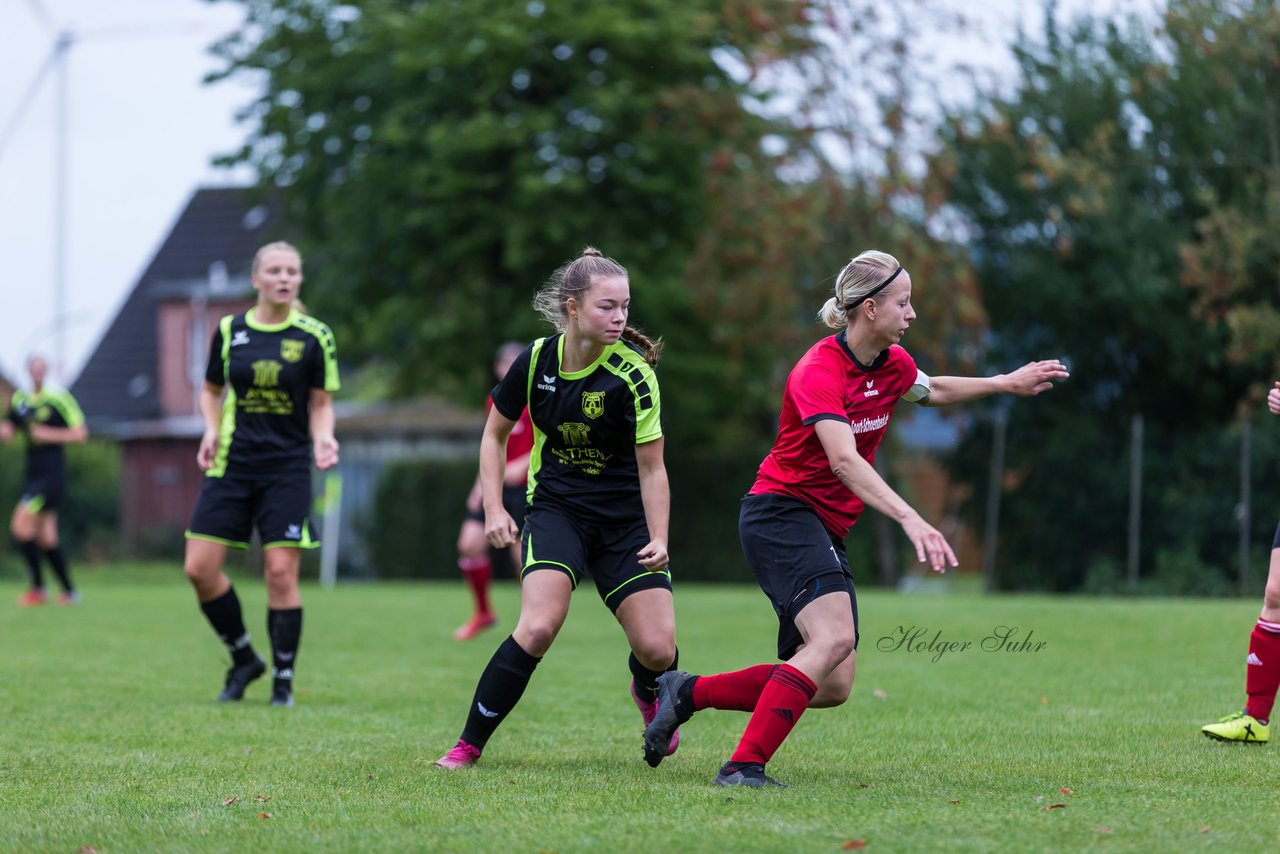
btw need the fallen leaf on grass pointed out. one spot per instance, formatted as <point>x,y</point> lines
<point>1044,701</point>
<point>879,694</point>
<point>953,802</point>
<point>1056,807</point>
<point>86,849</point>
<point>262,798</point>
<point>234,799</point>
<point>1039,799</point>
<point>854,845</point>
<point>1064,790</point>
<point>863,786</point>
<point>264,815</point>
<point>1204,829</point>
<point>1103,830</point>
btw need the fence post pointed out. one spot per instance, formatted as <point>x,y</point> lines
<point>995,484</point>
<point>1244,510</point>
<point>1135,499</point>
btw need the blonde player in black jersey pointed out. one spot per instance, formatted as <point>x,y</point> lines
<point>267,404</point>
<point>49,418</point>
<point>598,500</point>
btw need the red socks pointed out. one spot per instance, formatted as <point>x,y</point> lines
<point>785,696</point>
<point>478,571</point>
<point>1262,675</point>
<point>736,692</point>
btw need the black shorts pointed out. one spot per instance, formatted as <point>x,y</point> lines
<point>42,493</point>
<point>552,539</point>
<point>513,498</point>
<point>795,559</point>
<point>277,504</point>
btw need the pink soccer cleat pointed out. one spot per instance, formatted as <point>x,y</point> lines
<point>474,626</point>
<point>648,711</point>
<point>462,756</point>
<point>33,597</point>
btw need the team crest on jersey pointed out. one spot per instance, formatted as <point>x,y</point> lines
<point>291,350</point>
<point>593,404</point>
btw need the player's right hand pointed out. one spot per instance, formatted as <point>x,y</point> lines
<point>1273,400</point>
<point>208,451</point>
<point>500,529</point>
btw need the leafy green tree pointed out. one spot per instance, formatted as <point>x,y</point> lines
<point>442,158</point>
<point>1088,194</point>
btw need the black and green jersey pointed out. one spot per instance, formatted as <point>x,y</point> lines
<point>586,426</point>
<point>52,407</point>
<point>270,370</point>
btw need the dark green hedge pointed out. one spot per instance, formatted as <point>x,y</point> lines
<point>419,506</point>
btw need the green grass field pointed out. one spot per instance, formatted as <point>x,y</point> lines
<point>111,738</point>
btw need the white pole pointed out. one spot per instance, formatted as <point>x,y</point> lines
<point>332,524</point>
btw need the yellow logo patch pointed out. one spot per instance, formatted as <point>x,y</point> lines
<point>291,350</point>
<point>266,373</point>
<point>593,404</point>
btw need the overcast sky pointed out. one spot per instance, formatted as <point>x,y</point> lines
<point>142,131</point>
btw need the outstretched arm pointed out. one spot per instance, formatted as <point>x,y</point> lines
<point>865,482</point>
<point>1028,381</point>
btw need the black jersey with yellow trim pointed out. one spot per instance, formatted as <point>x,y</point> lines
<point>269,371</point>
<point>52,407</point>
<point>586,425</point>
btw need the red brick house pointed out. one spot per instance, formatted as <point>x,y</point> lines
<point>141,383</point>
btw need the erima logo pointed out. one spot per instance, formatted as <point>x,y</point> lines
<point>282,673</point>
<point>293,532</point>
<point>484,711</point>
<point>871,392</point>
<point>548,383</point>
<point>1253,660</point>
<point>239,338</point>
<point>285,656</point>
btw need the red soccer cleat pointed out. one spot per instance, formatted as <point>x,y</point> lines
<point>34,596</point>
<point>474,626</point>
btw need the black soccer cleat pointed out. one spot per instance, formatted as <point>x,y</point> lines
<point>239,677</point>
<point>749,774</point>
<point>670,715</point>
<point>282,695</point>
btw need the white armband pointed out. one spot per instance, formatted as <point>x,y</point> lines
<point>919,391</point>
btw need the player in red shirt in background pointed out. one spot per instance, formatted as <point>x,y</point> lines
<point>1262,666</point>
<point>808,493</point>
<point>475,556</point>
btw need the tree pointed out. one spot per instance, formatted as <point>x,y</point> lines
<point>442,158</point>
<point>1120,171</point>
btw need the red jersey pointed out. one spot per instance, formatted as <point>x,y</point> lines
<point>520,442</point>
<point>828,382</point>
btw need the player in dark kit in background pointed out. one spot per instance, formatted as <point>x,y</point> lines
<point>1262,664</point>
<point>598,495</point>
<point>476,558</point>
<point>808,493</point>
<point>50,419</point>
<point>258,444</point>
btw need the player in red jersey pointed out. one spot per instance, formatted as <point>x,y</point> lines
<point>475,556</point>
<point>808,493</point>
<point>1262,666</point>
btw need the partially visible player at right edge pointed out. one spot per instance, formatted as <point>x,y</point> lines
<point>808,493</point>
<point>1262,666</point>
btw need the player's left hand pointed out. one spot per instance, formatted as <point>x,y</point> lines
<point>653,557</point>
<point>326,452</point>
<point>1035,377</point>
